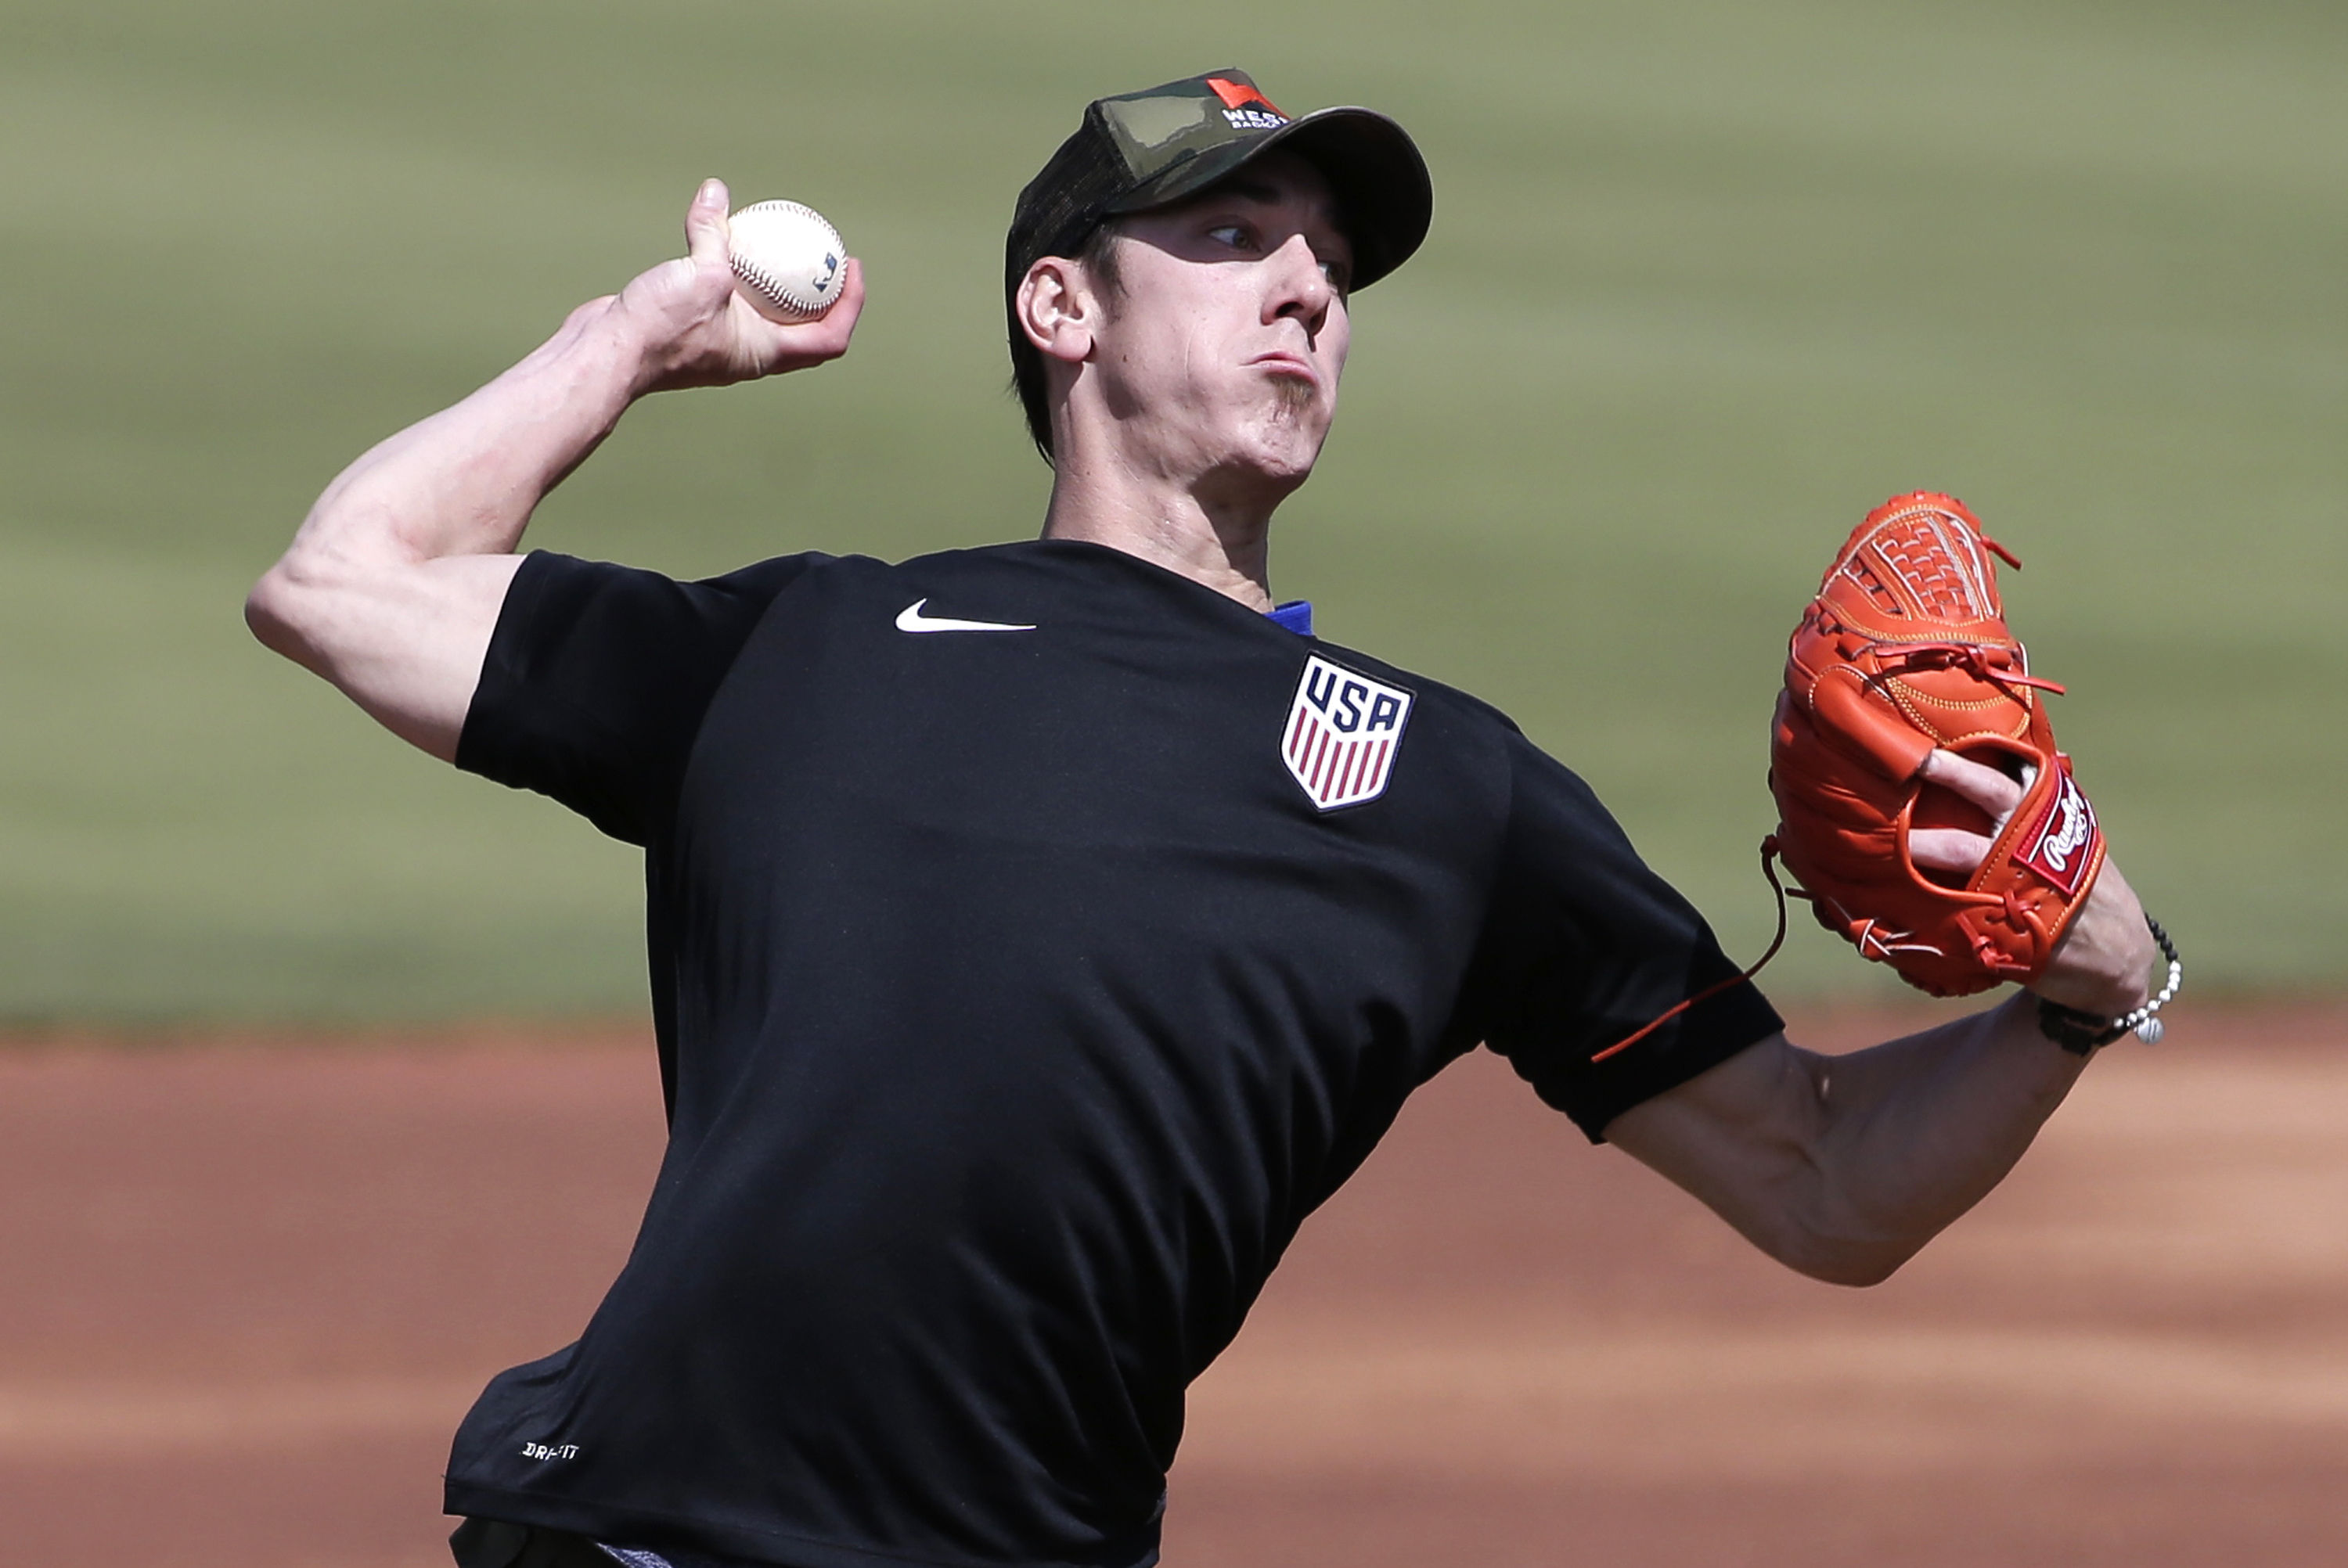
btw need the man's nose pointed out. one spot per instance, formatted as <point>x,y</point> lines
<point>1299,287</point>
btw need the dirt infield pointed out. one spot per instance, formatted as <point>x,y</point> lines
<point>249,1289</point>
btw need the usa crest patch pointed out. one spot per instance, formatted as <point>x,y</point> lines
<point>1343,731</point>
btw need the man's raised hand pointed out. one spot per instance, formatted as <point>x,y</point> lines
<point>392,586</point>
<point>691,328</point>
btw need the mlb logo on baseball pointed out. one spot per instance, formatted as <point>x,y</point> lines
<point>1343,731</point>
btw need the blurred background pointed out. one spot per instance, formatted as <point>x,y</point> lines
<point>1708,280</point>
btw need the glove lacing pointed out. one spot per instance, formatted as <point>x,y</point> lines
<point>1768,870</point>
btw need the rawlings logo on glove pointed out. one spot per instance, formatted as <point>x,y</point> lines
<point>1904,651</point>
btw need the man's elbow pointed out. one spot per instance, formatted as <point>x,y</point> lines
<point>291,610</point>
<point>268,610</point>
<point>277,608</point>
<point>1841,1259</point>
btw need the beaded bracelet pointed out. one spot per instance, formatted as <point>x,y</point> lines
<point>2081,1032</point>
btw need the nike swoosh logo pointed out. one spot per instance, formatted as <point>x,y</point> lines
<point>911,619</point>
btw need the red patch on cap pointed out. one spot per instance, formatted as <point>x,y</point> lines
<point>1237,95</point>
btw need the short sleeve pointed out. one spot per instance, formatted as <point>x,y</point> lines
<point>597,678</point>
<point>1583,945</point>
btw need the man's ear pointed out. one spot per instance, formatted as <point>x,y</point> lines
<point>1057,309</point>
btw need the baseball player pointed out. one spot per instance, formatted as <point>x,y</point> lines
<point>1039,932</point>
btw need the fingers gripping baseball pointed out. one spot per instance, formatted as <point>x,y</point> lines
<point>705,226</point>
<point>698,331</point>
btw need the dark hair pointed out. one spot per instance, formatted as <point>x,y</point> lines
<point>1097,255</point>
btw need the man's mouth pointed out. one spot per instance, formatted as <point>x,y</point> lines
<point>1286,365</point>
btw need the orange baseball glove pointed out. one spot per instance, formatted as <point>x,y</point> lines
<point>1905,650</point>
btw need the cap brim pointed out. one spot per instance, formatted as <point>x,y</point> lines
<point>1373,168</point>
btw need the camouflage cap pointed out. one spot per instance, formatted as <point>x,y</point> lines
<point>1145,149</point>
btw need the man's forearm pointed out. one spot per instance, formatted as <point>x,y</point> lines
<point>391,588</point>
<point>1911,1133</point>
<point>465,481</point>
<point>1844,1166</point>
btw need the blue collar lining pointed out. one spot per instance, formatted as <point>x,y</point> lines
<point>1296,615</point>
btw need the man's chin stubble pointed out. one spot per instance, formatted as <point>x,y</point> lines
<point>1291,396</point>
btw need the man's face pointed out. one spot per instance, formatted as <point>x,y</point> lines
<point>1222,351</point>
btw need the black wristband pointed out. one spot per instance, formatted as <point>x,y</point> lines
<point>2080,1033</point>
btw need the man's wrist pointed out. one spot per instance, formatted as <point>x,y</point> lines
<point>615,347</point>
<point>2081,1032</point>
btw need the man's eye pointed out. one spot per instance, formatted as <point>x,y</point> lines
<point>1340,276</point>
<point>1235,235</point>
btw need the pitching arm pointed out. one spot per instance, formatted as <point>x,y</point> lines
<point>392,587</point>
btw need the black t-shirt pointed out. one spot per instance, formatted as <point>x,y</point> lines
<point>1037,936</point>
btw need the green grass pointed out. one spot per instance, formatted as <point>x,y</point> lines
<point>1707,280</point>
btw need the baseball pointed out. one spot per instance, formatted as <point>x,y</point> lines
<point>788,261</point>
